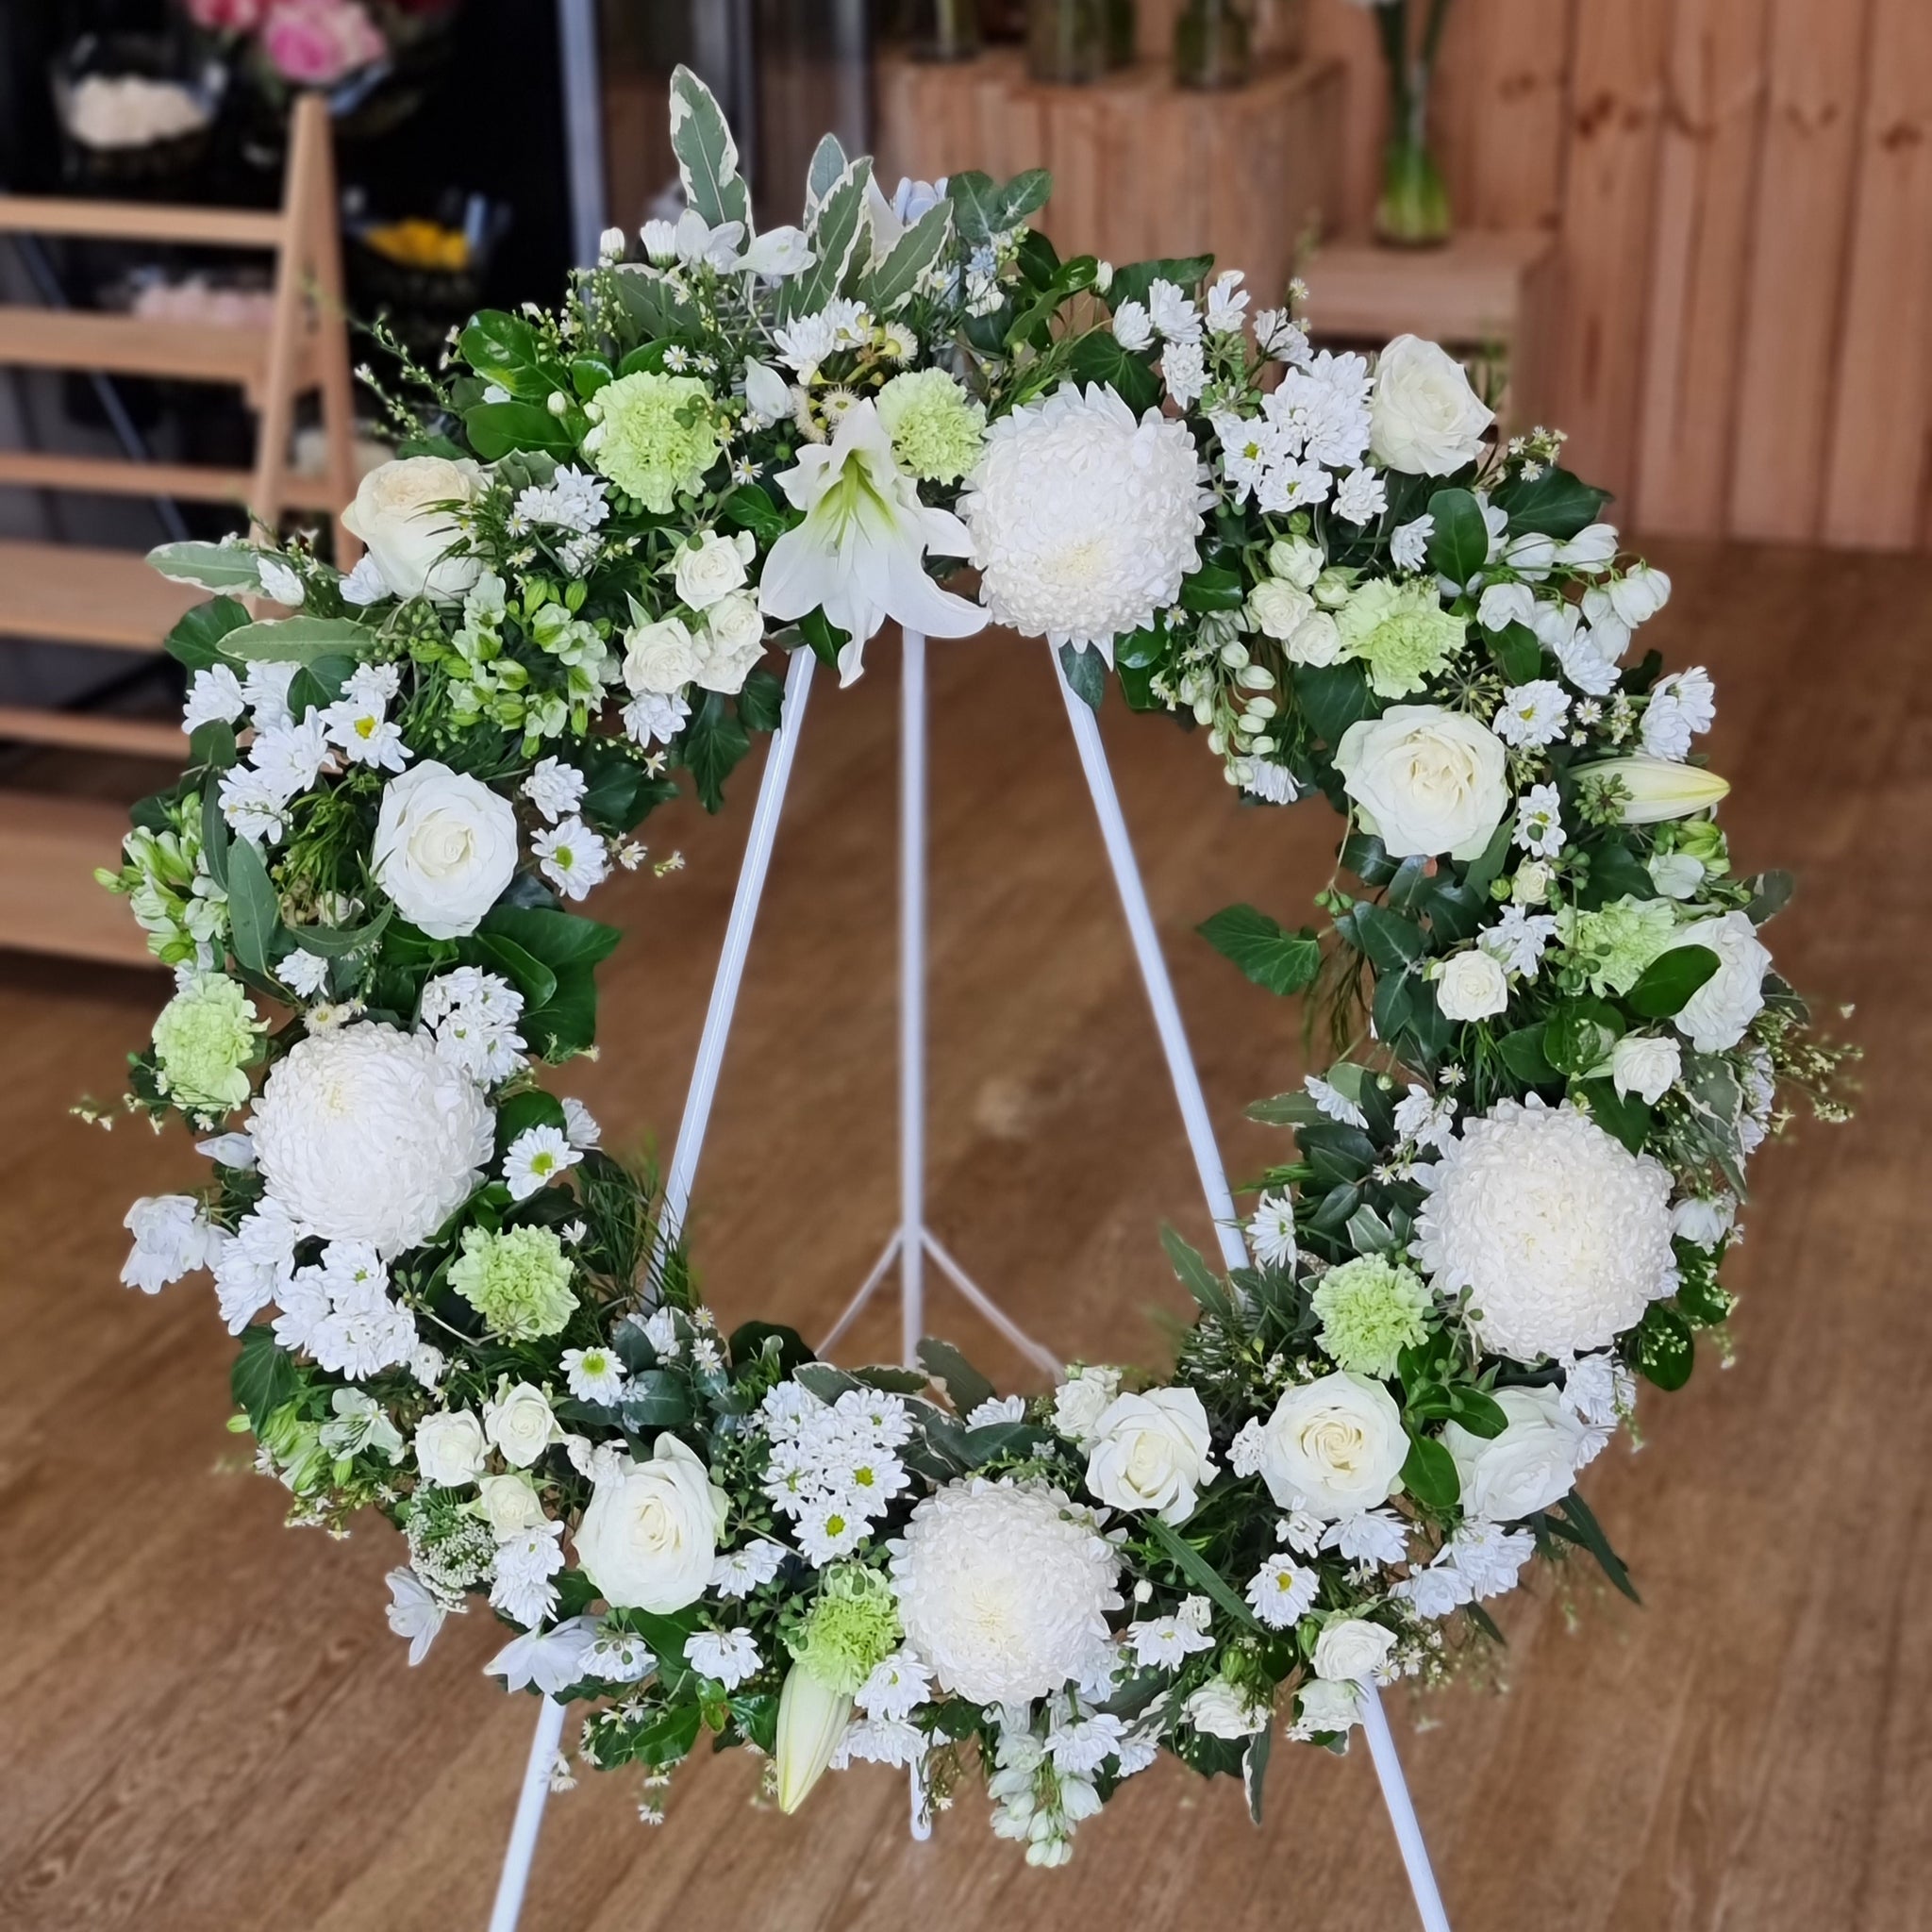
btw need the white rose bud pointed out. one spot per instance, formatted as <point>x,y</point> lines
<point>1529,1466</point>
<point>707,570</point>
<point>1426,780</point>
<point>1080,1401</point>
<point>1316,640</point>
<point>1296,560</point>
<point>1151,1452</point>
<point>518,1421</point>
<point>1326,1706</point>
<point>1334,1446</point>
<point>660,659</point>
<point>451,1448</point>
<point>650,1535</point>
<point>445,848</point>
<point>1424,419</point>
<point>401,513</point>
<point>1645,1064</point>
<point>1351,1649</point>
<point>731,642</point>
<point>509,1504</point>
<point>1278,607</point>
<point>1472,986</point>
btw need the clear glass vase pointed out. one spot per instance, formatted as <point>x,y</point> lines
<point>1214,45</point>
<point>1067,40</point>
<point>1413,210</point>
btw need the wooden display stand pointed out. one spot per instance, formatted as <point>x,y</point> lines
<point>67,594</point>
<point>1141,167</point>
<point>1491,296</point>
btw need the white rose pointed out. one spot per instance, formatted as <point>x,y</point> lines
<point>1715,1016</point>
<point>1703,1223</point>
<point>1151,1452</point>
<point>1219,1709</point>
<point>660,659</point>
<point>1080,1401</point>
<point>650,1535</point>
<point>732,641</point>
<point>450,1448</point>
<point>1645,1064</point>
<point>1325,1706</point>
<point>518,1421</point>
<point>1335,1446</point>
<point>445,848</point>
<point>1351,1649</point>
<point>1529,1466</point>
<point>1298,560</point>
<point>1531,885</point>
<point>509,1504</point>
<point>399,515</point>
<point>1279,607</point>
<point>707,569</point>
<point>1472,986</point>
<point>1316,640</point>
<point>1426,781</point>
<point>1424,419</point>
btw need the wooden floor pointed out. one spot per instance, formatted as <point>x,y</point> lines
<point>206,1723</point>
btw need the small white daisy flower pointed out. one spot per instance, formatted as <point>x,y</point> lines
<point>535,1158</point>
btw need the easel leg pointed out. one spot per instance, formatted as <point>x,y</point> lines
<point>1194,1106</point>
<point>912,792</point>
<point>678,1187</point>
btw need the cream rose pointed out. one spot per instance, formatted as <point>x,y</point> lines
<point>1715,1016</point>
<point>1297,559</point>
<point>1529,1466</point>
<point>518,1421</point>
<point>1426,781</point>
<point>509,1504</point>
<point>1316,640</point>
<point>402,514</point>
<point>711,567</point>
<point>1424,418</point>
<point>731,642</point>
<point>1645,1064</point>
<point>1081,1400</point>
<point>660,658</point>
<point>1151,1452</point>
<point>451,1448</point>
<point>445,848</point>
<point>1333,1446</point>
<point>1278,607</point>
<point>1351,1649</point>
<point>1472,986</point>
<point>650,1535</point>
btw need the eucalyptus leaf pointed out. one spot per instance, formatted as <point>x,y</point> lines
<point>210,566</point>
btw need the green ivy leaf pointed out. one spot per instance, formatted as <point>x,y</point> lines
<point>1517,650</point>
<point>1333,697</point>
<point>1131,283</point>
<point>197,639</point>
<point>1460,543</point>
<point>710,747</point>
<point>263,1376</point>
<point>1555,504</point>
<point>1266,952</point>
<point>1086,674</point>
<point>1430,1475</point>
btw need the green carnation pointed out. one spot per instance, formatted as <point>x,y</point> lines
<point>851,1628</point>
<point>1370,1310</point>
<point>659,435</point>
<point>203,1040</point>
<point>1616,943</point>
<point>937,428</point>
<point>518,1281</point>
<point>1401,632</point>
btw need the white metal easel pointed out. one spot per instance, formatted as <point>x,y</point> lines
<point>913,1242</point>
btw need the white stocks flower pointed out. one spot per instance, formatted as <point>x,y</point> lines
<point>1151,1452</point>
<point>1529,1466</point>
<point>1424,419</point>
<point>402,513</point>
<point>811,1720</point>
<point>859,554</point>
<point>1424,780</point>
<point>650,1535</point>
<point>445,848</point>
<point>1334,1446</point>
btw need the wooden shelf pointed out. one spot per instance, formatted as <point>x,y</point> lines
<point>130,345</point>
<point>49,848</point>
<point>144,737</point>
<point>63,594</point>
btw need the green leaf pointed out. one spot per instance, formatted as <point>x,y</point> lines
<point>214,833</point>
<point>531,977</point>
<point>1481,1415</point>
<point>911,254</point>
<point>667,1739</point>
<point>338,941</point>
<point>1086,674</point>
<point>965,1387</point>
<point>589,374</point>
<point>263,1376</point>
<point>1024,195</point>
<point>495,429</point>
<point>1771,892</point>
<point>1131,283</point>
<point>1429,1473</point>
<point>839,235</point>
<point>532,1107</point>
<point>761,702</point>
<point>1200,1572</point>
<point>1485,868</point>
<point>506,350</point>
<point>1621,1114</point>
<point>1392,943</point>
<point>711,745</point>
<point>197,639</point>
<point>1098,357</point>
<point>1265,951</point>
<point>1555,504</point>
<point>560,940</point>
<point>253,914</point>
<point>654,1399</point>
<point>1517,650</point>
<point>1212,588</point>
<point>212,749</point>
<point>975,203</point>
<point>749,509</point>
<point>1333,697</point>
<point>1615,873</point>
<point>1460,543</point>
<point>1196,1275</point>
<point>1589,1532</point>
<point>707,154</point>
<point>1579,1034</point>
<point>1666,1348</point>
<point>1669,979</point>
<point>825,637</point>
<point>298,640</point>
<point>213,566</point>
<point>821,176</point>
<point>1254,1769</point>
<point>567,1023</point>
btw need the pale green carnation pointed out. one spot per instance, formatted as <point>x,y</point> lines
<point>1371,1309</point>
<point>204,1039</point>
<point>851,1628</point>
<point>657,435</point>
<point>1615,944</point>
<point>518,1281</point>
<point>1401,632</point>
<point>937,428</point>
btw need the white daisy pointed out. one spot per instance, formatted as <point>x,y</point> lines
<point>535,1158</point>
<point>580,1126</point>
<point>1166,1642</point>
<point>214,695</point>
<point>1334,1103</point>
<point>571,857</point>
<point>1281,1591</point>
<point>738,1572</point>
<point>304,973</point>
<point>1519,939</point>
<point>1362,497</point>
<point>1533,714</point>
<point>1409,548</point>
<point>593,1374</point>
<point>1540,822</point>
<point>897,1687</point>
<point>1271,1232</point>
<point>728,1655</point>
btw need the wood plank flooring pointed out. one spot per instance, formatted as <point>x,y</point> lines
<point>208,1726</point>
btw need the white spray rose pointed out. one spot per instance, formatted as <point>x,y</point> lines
<point>650,1535</point>
<point>1351,1649</point>
<point>1279,607</point>
<point>445,848</point>
<point>1325,1706</point>
<point>1151,1452</point>
<point>660,659</point>
<point>731,643</point>
<point>1426,780</point>
<point>1472,986</point>
<point>1335,1446</point>
<point>400,515</point>
<point>1529,1466</point>
<point>1715,1016</point>
<point>1221,1709</point>
<point>1424,419</point>
<point>1297,560</point>
<point>451,1448</point>
<point>1081,1400</point>
<point>1316,640</point>
<point>707,570</point>
<point>518,1421</point>
<point>509,1503</point>
<point>1645,1064</point>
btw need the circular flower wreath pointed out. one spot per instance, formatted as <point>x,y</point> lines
<point>1560,1034</point>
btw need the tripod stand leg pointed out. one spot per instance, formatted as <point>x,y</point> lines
<point>912,795</point>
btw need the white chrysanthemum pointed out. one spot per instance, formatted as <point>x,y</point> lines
<point>1561,1235</point>
<point>1084,518</point>
<point>1003,1590</point>
<point>365,1133</point>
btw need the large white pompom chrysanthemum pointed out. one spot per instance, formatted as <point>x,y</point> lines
<point>1560,1234</point>
<point>1084,520</point>
<point>1004,1589</point>
<point>365,1133</point>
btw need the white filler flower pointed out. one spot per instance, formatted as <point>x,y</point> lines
<point>1560,1234</point>
<point>364,1133</point>
<point>1084,518</point>
<point>1004,1589</point>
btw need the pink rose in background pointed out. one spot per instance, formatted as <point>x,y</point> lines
<point>315,42</point>
<point>226,16</point>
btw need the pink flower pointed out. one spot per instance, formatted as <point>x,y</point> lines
<point>315,42</point>
<point>226,16</point>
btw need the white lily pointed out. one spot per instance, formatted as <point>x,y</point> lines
<point>859,554</point>
<point>811,1719</point>
<point>1658,789</point>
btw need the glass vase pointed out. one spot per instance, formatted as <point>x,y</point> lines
<point>1413,210</point>
<point>1067,40</point>
<point>1213,44</point>
<point>945,29</point>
